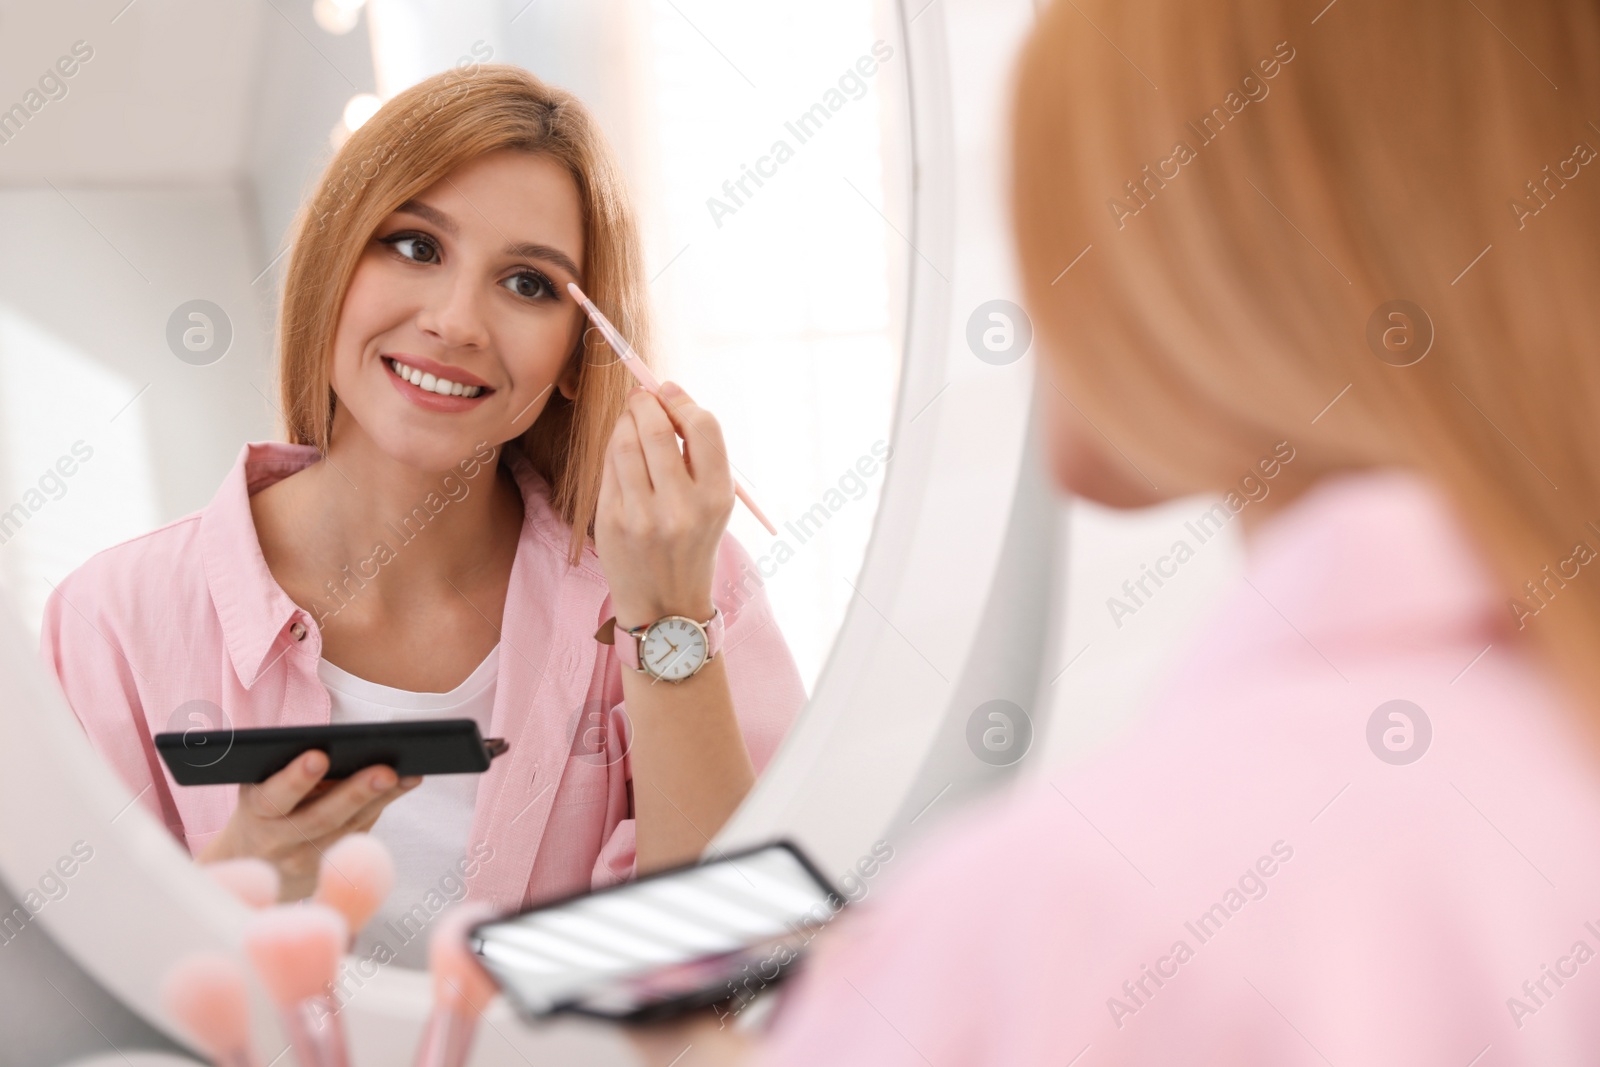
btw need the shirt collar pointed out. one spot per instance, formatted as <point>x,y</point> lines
<point>252,609</point>
<point>1378,557</point>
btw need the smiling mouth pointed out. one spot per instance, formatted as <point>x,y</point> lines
<point>428,383</point>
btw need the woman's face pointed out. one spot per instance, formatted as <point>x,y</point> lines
<point>1081,460</point>
<point>457,324</point>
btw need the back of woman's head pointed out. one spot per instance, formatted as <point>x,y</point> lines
<point>414,141</point>
<point>1259,182</point>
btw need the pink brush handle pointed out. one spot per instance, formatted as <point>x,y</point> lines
<point>316,1033</point>
<point>738,491</point>
<point>631,360</point>
<point>447,1039</point>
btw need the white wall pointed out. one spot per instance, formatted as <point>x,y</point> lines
<point>1102,666</point>
<point>86,289</point>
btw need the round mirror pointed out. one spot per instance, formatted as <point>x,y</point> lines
<point>823,235</point>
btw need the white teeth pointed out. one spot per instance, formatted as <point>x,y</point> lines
<point>441,386</point>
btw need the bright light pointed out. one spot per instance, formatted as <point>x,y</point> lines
<point>787,293</point>
<point>361,107</point>
<point>337,16</point>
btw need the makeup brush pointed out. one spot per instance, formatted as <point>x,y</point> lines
<point>206,993</point>
<point>461,988</point>
<point>254,881</point>
<point>296,950</point>
<point>356,876</point>
<point>631,360</point>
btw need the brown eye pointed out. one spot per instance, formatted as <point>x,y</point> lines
<point>530,284</point>
<point>414,247</point>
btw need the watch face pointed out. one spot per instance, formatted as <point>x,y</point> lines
<point>673,648</point>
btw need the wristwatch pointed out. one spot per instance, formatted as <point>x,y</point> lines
<point>672,648</point>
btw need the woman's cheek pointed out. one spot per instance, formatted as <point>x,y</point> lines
<point>555,340</point>
<point>351,332</point>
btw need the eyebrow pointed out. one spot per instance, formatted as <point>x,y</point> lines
<point>524,250</point>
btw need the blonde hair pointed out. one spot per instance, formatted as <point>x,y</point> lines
<point>1395,151</point>
<point>414,140</point>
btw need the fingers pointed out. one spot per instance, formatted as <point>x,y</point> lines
<point>364,818</point>
<point>611,500</point>
<point>279,795</point>
<point>625,456</point>
<point>292,816</point>
<point>703,447</point>
<point>658,440</point>
<point>643,455</point>
<point>709,1031</point>
<point>328,814</point>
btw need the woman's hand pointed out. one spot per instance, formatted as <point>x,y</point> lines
<point>661,513</point>
<point>697,1039</point>
<point>658,526</point>
<point>292,817</point>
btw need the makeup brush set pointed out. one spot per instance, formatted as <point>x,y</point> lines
<point>296,949</point>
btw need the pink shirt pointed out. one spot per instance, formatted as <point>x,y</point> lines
<point>1243,880</point>
<point>191,613</point>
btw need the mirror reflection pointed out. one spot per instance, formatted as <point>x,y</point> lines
<point>304,427</point>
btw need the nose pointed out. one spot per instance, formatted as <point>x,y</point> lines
<point>453,313</point>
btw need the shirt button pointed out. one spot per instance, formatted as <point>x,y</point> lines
<point>298,631</point>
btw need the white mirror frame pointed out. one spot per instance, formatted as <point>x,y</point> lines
<point>950,611</point>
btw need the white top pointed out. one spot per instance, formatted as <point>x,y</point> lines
<point>427,829</point>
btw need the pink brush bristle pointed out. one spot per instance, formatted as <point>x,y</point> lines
<point>206,993</point>
<point>459,981</point>
<point>357,875</point>
<point>254,881</point>
<point>296,949</point>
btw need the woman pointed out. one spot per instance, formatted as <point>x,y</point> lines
<point>469,492</point>
<point>1280,864</point>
